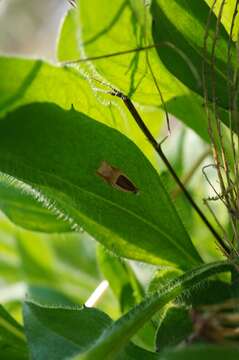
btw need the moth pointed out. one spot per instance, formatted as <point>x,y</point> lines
<point>116,178</point>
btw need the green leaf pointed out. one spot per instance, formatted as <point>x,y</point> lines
<point>133,352</point>
<point>175,327</point>
<point>42,267</point>
<point>67,43</point>
<point>9,259</point>
<point>61,161</point>
<point>24,81</point>
<point>181,25</point>
<point>116,26</point>
<point>60,332</point>
<point>206,352</point>
<point>161,277</point>
<point>12,338</point>
<point>78,251</point>
<point>115,338</point>
<point>18,203</point>
<point>212,292</point>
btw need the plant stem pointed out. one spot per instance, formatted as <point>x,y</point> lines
<point>158,149</point>
<point>113,340</point>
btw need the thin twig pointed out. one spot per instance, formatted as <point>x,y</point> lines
<point>110,55</point>
<point>214,103</point>
<point>229,196</point>
<point>168,44</point>
<point>217,146</point>
<point>219,225</point>
<point>210,183</point>
<point>205,88</point>
<point>185,180</point>
<point>231,90</point>
<point>159,92</point>
<point>152,73</point>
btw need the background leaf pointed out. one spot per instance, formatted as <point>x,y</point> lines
<point>121,277</point>
<point>172,25</point>
<point>48,268</point>
<point>119,26</point>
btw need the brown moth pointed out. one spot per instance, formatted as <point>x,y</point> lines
<point>116,178</point>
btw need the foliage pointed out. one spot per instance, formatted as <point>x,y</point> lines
<point>105,252</point>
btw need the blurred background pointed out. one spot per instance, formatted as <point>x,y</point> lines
<point>30,27</point>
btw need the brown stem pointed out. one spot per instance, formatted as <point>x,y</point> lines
<point>117,53</point>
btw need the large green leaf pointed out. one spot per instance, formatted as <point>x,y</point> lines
<point>61,332</point>
<point>61,161</point>
<point>116,336</point>
<point>182,25</point>
<point>24,81</point>
<point>116,26</point>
